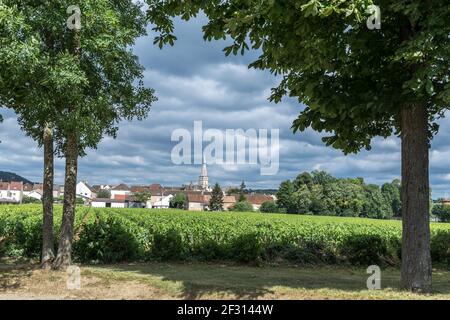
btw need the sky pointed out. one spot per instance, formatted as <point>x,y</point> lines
<point>194,81</point>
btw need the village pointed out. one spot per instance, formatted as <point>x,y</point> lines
<point>153,196</point>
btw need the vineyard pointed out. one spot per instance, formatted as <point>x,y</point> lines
<point>116,235</point>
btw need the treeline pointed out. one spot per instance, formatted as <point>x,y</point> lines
<point>319,193</point>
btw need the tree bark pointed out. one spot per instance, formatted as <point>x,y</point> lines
<point>416,260</point>
<point>64,256</point>
<point>47,200</point>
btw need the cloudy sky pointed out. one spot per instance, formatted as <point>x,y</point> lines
<point>194,81</point>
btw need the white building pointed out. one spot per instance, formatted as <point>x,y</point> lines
<point>109,203</point>
<point>36,194</point>
<point>85,191</point>
<point>163,203</point>
<point>11,192</point>
<point>121,190</point>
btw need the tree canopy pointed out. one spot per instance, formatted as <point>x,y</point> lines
<point>104,81</point>
<point>352,80</point>
<point>319,193</point>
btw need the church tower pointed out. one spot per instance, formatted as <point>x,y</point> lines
<point>203,178</point>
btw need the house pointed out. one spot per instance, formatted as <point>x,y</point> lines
<point>228,202</point>
<point>163,203</point>
<point>120,201</point>
<point>197,201</point>
<point>11,192</point>
<point>85,191</point>
<point>57,191</point>
<point>120,190</point>
<point>36,194</point>
<point>256,200</point>
<point>108,203</point>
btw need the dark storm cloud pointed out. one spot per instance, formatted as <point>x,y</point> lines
<point>194,81</point>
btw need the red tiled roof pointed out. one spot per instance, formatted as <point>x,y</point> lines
<point>121,186</point>
<point>123,197</point>
<point>140,189</point>
<point>199,198</point>
<point>18,186</point>
<point>229,199</point>
<point>4,185</point>
<point>258,199</point>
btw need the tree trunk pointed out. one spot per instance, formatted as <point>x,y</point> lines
<point>416,259</point>
<point>47,200</point>
<point>64,257</point>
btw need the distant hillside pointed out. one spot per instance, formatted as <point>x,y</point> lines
<point>263,191</point>
<point>10,176</point>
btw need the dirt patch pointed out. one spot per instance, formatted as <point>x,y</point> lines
<point>44,284</point>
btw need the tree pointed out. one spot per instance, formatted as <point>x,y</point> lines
<point>391,192</point>
<point>84,81</point>
<point>216,201</point>
<point>303,178</point>
<point>178,201</point>
<point>269,207</point>
<point>375,204</point>
<point>23,63</point>
<point>242,192</point>
<point>285,197</point>
<point>143,197</point>
<point>232,191</point>
<point>302,200</point>
<point>104,194</point>
<point>27,199</point>
<point>356,83</point>
<point>111,90</point>
<point>322,177</point>
<point>441,211</point>
<point>242,206</point>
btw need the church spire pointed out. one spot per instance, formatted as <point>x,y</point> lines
<point>203,178</point>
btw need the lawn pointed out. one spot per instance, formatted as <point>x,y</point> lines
<point>206,281</point>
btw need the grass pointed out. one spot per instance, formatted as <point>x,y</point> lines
<point>206,281</point>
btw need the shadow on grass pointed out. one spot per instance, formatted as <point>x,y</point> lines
<point>196,280</point>
<point>12,274</point>
<point>215,281</point>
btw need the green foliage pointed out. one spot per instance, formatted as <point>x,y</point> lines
<point>441,211</point>
<point>178,201</point>
<point>143,196</point>
<point>269,207</point>
<point>216,201</point>
<point>242,192</point>
<point>109,239</point>
<point>285,197</point>
<point>168,245</point>
<point>115,235</point>
<point>46,81</point>
<point>104,194</point>
<point>364,249</point>
<point>392,194</point>
<point>352,80</point>
<point>242,206</point>
<point>319,193</point>
<point>440,247</point>
<point>27,200</point>
<point>247,248</point>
